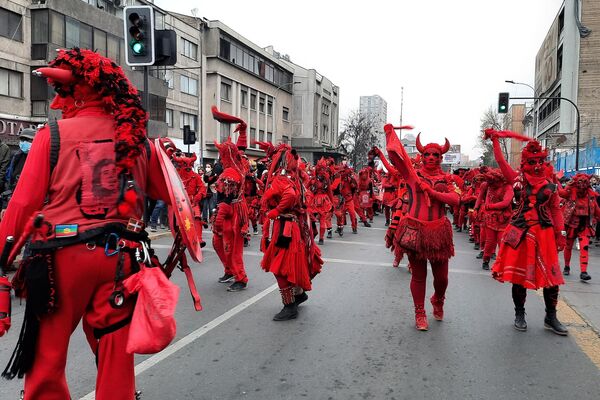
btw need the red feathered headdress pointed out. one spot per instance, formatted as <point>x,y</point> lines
<point>533,149</point>
<point>267,147</point>
<point>242,142</point>
<point>440,149</point>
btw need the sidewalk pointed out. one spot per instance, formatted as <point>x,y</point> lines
<point>584,297</point>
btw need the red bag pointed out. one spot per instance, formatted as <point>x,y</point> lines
<point>153,323</point>
<point>4,305</point>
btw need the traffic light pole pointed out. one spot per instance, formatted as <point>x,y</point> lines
<point>576,128</point>
<point>146,98</point>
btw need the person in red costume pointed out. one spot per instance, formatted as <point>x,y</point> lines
<point>347,186</point>
<point>425,233</point>
<point>289,249</point>
<point>85,178</point>
<point>580,212</point>
<point>389,184</point>
<point>253,190</point>
<point>320,186</point>
<point>195,188</point>
<point>363,200</point>
<point>231,221</point>
<point>496,209</point>
<point>528,256</point>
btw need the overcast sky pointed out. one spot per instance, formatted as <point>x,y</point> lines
<point>451,56</point>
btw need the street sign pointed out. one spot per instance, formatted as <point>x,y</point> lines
<point>451,158</point>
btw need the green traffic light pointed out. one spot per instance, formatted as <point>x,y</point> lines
<point>137,47</point>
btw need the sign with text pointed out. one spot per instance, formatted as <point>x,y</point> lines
<point>451,158</point>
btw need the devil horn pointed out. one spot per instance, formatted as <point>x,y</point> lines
<point>446,146</point>
<point>419,145</point>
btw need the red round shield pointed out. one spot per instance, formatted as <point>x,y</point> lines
<point>180,203</point>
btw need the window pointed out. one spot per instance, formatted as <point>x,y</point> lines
<point>189,49</point>
<point>224,132</point>
<point>57,27</point>
<point>39,26</point>
<point>270,137</point>
<point>72,32</point>
<point>253,101</point>
<point>261,104</point>
<point>225,91</point>
<point>244,98</point>
<point>112,48</point>
<point>285,114</point>
<point>100,41</point>
<point>261,135</point>
<point>86,37</point>
<point>159,20</point>
<point>224,48</point>
<point>187,119</point>
<point>169,117</point>
<point>285,139</point>
<point>253,137</point>
<point>270,107</point>
<point>325,109</point>
<point>11,25</point>
<point>11,83</point>
<point>189,85</point>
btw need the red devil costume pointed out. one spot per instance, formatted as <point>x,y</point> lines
<point>231,222</point>
<point>320,186</point>
<point>289,249</point>
<point>344,188</point>
<point>495,207</point>
<point>363,201</point>
<point>528,256</point>
<point>194,187</point>
<point>253,190</point>
<point>425,233</point>
<point>580,213</point>
<point>87,175</point>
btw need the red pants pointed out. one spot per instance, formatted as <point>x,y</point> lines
<point>324,223</point>
<point>482,236</point>
<point>418,279</point>
<point>84,283</point>
<point>229,246</point>
<point>340,214</point>
<point>584,243</point>
<point>492,238</point>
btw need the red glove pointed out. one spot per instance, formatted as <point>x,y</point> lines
<point>561,242</point>
<point>273,214</point>
<point>5,288</point>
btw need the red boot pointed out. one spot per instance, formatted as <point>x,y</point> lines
<point>421,318</point>
<point>438,307</point>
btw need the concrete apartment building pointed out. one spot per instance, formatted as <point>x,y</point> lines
<point>375,108</point>
<point>567,66</point>
<point>513,121</point>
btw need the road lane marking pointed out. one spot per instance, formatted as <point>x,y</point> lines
<point>193,336</point>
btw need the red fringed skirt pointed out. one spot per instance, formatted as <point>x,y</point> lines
<point>429,240</point>
<point>322,203</point>
<point>533,264</point>
<point>292,262</point>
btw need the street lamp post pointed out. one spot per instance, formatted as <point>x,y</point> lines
<point>537,119</point>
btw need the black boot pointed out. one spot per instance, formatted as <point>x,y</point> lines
<point>476,247</point>
<point>552,323</point>
<point>387,222</point>
<point>340,230</point>
<point>329,233</point>
<point>520,323</point>
<point>300,298</point>
<point>584,276</point>
<point>485,265</point>
<point>479,256</point>
<point>321,241</point>
<point>566,270</point>
<point>366,224</point>
<point>290,308</point>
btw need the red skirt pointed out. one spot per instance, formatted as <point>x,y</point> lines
<point>298,264</point>
<point>533,264</point>
<point>429,240</point>
<point>322,203</point>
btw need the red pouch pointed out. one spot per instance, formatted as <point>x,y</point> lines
<point>513,236</point>
<point>409,237</point>
<point>153,323</point>
<point>4,305</point>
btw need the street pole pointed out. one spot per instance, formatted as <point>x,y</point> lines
<point>535,105</point>
<point>577,125</point>
<point>146,99</point>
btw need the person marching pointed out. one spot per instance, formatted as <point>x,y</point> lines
<point>84,180</point>
<point>528,256</point>
<point>320,185</point>
<point>289,249</point>
<point>425,233</point>
<point>580,212</point>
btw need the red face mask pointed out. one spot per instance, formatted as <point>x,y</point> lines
<point>431,158</point>
<point>535,166</point>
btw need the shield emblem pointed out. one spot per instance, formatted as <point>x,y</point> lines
<point>180,203</point>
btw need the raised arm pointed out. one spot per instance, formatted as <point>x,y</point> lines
<point>505,167</point>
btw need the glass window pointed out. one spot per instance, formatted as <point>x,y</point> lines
<point>261,135</point>
<point>100,41</point>
<point>224,132</point>
<point>253,137</point>
<point>189,49</point>
<point>244,98</point>
<point>57,26</point>
<point>112,48</point>
<point>225,91</point>
<point>11,25</point>
<point>169,117</point>
<point>224,48</point>
<point>285,139</point>
<point>72,32</point>
<point>261,104</point>
<point>159,20</point>
<point>85,37</point>
<point>253,101</point>
<point>239,59</point>
<point>11,83</point>
<point>285,114</point>
<point>39,26</point>
<point>187,119</point>
<point>270,107</point>
<point>270,137</point>
<point>189,85</point>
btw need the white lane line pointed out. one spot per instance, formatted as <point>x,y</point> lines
<point>193,336</point>
<point>337,241</point>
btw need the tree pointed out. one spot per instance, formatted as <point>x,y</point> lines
<point>357,138</point>
<point>491,119</point>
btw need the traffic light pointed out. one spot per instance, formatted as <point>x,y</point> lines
<point>503,102</point>
<point>189,136</point>
<point>139,35</point>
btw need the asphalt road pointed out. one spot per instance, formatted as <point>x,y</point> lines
<point>354,338</point>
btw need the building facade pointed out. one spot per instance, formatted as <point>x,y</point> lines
<point>375,108</point>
